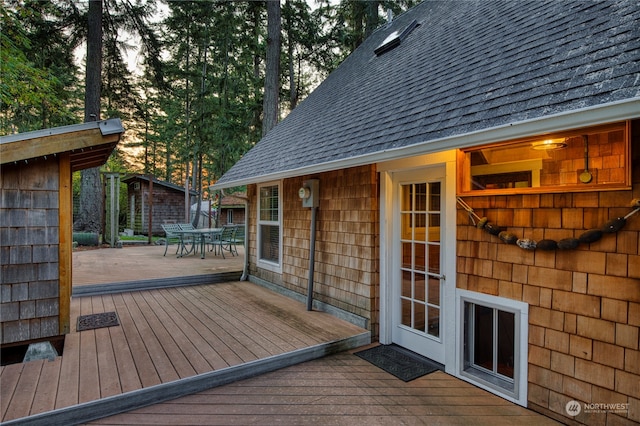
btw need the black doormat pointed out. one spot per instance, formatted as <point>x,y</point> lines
<point>93,321</point>
<point>400,362</point>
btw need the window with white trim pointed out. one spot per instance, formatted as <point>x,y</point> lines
<point>269,226</point>
<point>493,344</point>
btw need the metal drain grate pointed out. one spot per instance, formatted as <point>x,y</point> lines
<point>93,321</point>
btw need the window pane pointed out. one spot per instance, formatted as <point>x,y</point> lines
<point>269,203</point>
<point>483,337</point>
<point>506,329</point>
<point>270,243</point>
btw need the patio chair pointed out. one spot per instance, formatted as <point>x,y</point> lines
<point>238,238</point>
<point>188,227</point>
<point>224,241</point>
<point>171,236</point>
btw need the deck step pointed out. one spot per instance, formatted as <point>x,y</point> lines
<point>138,285</point>
<point>90,411</point>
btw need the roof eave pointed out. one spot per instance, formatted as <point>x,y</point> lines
<point>90,144</point>
<point>590,116</point>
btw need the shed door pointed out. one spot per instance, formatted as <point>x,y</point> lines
<point>418,287</point>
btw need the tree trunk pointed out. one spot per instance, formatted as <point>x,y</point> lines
<point>272,76</point>
<point>89,216</point>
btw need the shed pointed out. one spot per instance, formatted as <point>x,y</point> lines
<point>230,211</point>
<point>167,203</point>
<point>473,172</point>
<point>36,216</point>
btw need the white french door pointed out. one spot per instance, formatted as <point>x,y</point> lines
<point>418,305</point>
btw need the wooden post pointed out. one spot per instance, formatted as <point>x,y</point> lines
<point>65,243</point>
<point>150,239</point>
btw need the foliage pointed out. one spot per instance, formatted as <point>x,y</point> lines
<point>195,104</point>
<point>38,77</point>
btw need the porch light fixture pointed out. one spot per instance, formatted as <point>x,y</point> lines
<point>549,144</point>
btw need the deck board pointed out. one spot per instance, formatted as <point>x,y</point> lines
<point>123,358</point>
<point>26,388</point>
<point>171,358</point>
<point>46,392</point>
<point>89,380</point>
<point>144,365</point>
<point>339,389</point>
<point>167,316</point>
<point>217,354</point>
<point>9,376</point>
<point>163,335</point>
<point>69,372</point>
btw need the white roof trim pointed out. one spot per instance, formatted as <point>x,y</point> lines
<point>591,116</point>
<point>106,127</point>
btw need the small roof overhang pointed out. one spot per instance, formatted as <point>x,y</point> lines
<point>88,144</point>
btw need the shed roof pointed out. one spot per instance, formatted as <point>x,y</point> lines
<point>88,144</point>
<point>169,185</point>
<point>470,72</point>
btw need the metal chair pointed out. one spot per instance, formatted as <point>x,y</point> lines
<point>224,241</point>
<point>170,235</point>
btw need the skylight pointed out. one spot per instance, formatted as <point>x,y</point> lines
<point>394,39</point>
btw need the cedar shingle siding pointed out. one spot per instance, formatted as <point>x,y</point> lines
<point>29,235</point>
<point>584,304</point>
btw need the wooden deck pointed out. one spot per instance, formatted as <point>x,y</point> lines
<point>170,342</point>
<point>231,353</point>
<point>340,389</point>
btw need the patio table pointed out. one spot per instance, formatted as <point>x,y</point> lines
<point>199,238</point>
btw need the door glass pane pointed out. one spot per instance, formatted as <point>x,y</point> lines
<point>434,227</point>
<point>420,290</point>
<point>506,347</point>
<point>405,312</point>
<point>421,197</point>
<point>434,196</point>
<point>406,198</point>
<point>419,317</point>
<point>407,253</point>
<point>406,284</point>
<point>434,258</point>
<point>434,291</point>
<point>406,226</point>
<point>419,259</point>
<point>420,227</point>
<point>483,337</point>
<point>434,321</point>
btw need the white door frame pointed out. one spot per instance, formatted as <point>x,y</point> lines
<point>448,161</point>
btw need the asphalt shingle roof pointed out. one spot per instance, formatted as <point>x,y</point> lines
<point>468,66</point>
